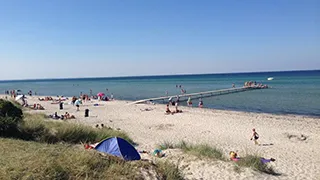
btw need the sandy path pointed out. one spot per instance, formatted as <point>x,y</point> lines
<point>227,130</point>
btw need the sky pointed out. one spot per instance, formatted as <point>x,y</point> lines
<point>104,38</point>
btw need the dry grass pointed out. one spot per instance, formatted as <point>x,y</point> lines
<point>31,160</point>
<point>254,162</point>
<point>36,128</point>
<point>201,150</point>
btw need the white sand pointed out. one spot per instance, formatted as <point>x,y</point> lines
<point>228,130</point>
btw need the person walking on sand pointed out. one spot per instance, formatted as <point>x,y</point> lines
<point>255,136</point>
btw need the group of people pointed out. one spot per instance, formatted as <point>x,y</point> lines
<point>37,107</point>
<point>12,93</point>
<point>255,136</point>
<point>255,84</point>
<point>62,117</point>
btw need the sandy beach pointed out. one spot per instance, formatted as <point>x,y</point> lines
<point>229,130</point>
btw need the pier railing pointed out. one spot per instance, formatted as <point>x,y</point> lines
<point>199,94</point>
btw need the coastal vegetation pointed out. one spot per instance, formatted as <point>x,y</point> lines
<point>33,147</point>
<point>199,150</point>
<point>207,151</point>
<point>254,162</point>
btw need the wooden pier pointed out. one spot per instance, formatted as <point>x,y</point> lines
<point>184,97</point>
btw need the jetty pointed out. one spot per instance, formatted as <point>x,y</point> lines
<point>183,97</point>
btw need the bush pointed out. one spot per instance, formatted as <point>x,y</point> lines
<point>10,117</point>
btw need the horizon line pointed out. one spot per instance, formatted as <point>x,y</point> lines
<point>163,75</point>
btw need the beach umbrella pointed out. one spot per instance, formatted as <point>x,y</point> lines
<point>100,94</point>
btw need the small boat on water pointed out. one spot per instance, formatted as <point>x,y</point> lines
<point>270,78</point>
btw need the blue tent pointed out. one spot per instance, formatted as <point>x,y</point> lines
<point>118,147</point>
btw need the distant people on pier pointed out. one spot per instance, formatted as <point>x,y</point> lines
<point>254,84</point>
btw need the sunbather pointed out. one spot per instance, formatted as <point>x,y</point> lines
<point>234,157</point>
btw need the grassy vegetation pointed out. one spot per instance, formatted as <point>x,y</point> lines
<point>255,163</point>
<point>34,127</point>
<point>42,157</point>
<point>32,160</point>
<point>169,170</point>
<point>201,150</point>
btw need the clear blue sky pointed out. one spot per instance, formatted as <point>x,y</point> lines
<point>77,38</point>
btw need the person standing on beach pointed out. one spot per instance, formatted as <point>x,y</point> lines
<point>111,96</point>
<point>255,136</point>
<point>189,102</point>
<point>77,103</point>
<point>170,100</point>
<point>200,103</point>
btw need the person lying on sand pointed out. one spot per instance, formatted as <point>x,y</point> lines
<point>68,116</point>
<point>37,107</point>
<point>54,116</point>
<point>234,157</point>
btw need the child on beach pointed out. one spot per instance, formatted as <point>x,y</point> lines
<point>255,136</point>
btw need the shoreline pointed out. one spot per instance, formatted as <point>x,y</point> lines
<point>195,107</point>
<point>227,130</point>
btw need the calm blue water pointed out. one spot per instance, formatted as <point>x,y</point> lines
<point>295,92</point>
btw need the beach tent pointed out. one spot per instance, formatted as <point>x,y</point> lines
<point>118,147</point>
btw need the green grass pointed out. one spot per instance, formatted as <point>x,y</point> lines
<point>169,171</point>
<point>36,128</point>
<point>166,145</point>
<point>201,150</point>
<point>32,160</point>
<point>254,162</point>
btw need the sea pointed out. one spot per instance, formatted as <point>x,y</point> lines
<point>291,92</point>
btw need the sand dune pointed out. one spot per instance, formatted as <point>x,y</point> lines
<point>297,157</point>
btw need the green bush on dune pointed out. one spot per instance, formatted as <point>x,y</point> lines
<point>10,117</point>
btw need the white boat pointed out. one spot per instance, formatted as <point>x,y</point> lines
<point>270,78</point>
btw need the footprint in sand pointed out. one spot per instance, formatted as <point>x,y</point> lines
<point>164,126</point>
<point>294,137</point>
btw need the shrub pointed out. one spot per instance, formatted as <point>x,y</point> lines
<point>10,117</point>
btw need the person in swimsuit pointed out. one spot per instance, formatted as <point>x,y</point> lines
<point>168,110</point>
<point>189,102</point>
<point>234,157</point>
<point>255,136</point>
